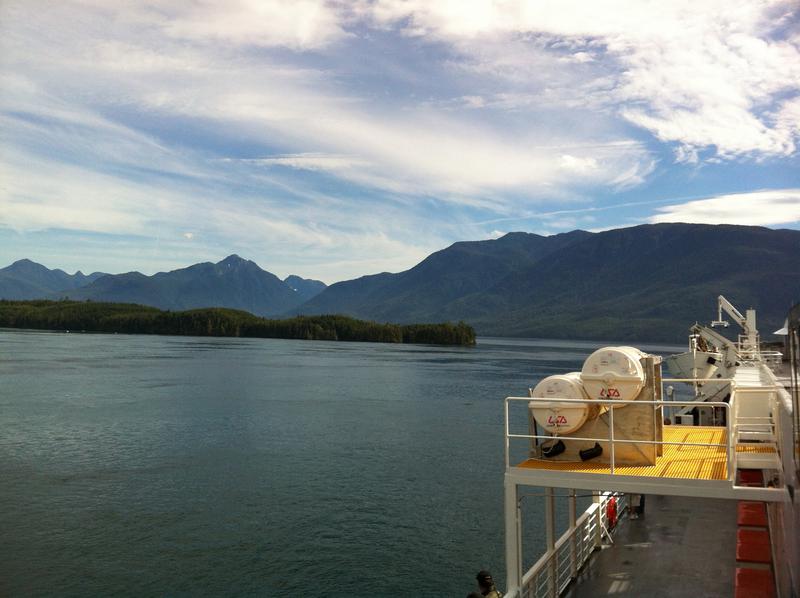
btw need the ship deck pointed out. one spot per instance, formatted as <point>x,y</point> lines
<point>685,462</point>
<point>680,547</point>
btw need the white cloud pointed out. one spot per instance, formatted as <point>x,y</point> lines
<point>581,57</point>
<point>310,161</point>
<point>329,241</point>
<point>758,208</point>
<point>457,157</point>
<point>578,165</point>
<point>299,24</point>
<point>686,154</point>
<point>787,118</point>
<point>415,152</point>
<point>474,101</point>
<point>146,118</point>
<point>702,73</point>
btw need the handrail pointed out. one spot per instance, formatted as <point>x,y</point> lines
<point>731,381</point>
<point>539,581</point>
<point>626,401</point>
<point>730,452</point>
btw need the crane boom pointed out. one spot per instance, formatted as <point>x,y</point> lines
<point>725,305</point>
<point>747,323</point>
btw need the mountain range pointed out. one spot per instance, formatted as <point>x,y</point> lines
<point>25,279</point>
<point>646,282</point>
<point>233,282</point>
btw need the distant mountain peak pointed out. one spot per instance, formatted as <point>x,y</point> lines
<point>294,279</point>
<point>306,288</point>
<point>26,279</point>
<point>26,264</point>
<point>232,260</point>
<point>233,282</point>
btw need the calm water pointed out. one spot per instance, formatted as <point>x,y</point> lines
<point>155,466</point>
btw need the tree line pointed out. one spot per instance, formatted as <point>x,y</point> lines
<point>127,318</point>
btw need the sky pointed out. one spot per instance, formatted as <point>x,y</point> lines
<point>336,139</point>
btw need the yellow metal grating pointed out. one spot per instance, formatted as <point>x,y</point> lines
<point>747,447</point>
<point>688,462</point>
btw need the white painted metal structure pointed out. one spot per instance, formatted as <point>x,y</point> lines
<point>560,418</point>
<point>613,373</point>
<point>714,357</point>
<point>758,435</point>
<point>564,557</point>
<point>749,341</point>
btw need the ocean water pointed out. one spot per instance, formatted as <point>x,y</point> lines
<point>177,466</point>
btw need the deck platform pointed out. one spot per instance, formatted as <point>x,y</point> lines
<point>686,462</point>
<point>679,547</point>
<point>700,471</point>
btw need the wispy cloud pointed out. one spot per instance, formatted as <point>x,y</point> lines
<point>346,138</point>
<point>704,75</point>
<point>419,150</point>
<point>309,161</point>
<point>764,208</point>
<point>336,241</point>
<point>300,24</point>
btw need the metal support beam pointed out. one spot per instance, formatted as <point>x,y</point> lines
<point>644,485</point>
<point>573,547</point>
<point>550,529</point>
<point>513,537</point>
<point>598,528</point>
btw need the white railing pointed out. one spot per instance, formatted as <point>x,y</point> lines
<point>556,569</point>
<point>770,358</point>
<point>728,445</point>
<point>721,385</point>
<point>564,559</point>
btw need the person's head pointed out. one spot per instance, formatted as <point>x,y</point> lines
<point>474,595</point>
<point>485,581</point>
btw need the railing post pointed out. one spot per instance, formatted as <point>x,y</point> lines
<point>507,439</point>
<point>598,528</point>
<point>611,435</point>
<point>573,547</point>
<point>513,552</point>
<point>731,417</point>
<point>550,528</point>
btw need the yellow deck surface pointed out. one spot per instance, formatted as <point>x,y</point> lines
<point>689,462</point>
<point>754,448</point>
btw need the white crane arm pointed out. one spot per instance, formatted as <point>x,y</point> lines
<point>728,307</point>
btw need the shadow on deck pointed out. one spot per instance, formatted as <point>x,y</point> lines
<point>679,547</point>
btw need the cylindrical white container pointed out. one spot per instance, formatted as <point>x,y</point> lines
<point>613,373</point>
<point>556,417</point>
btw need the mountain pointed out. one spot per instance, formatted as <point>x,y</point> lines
<point>425,292</point>
<point>25,279</point>
<point>647,282</point>
<point>233,282</point>
<point>306,288</point>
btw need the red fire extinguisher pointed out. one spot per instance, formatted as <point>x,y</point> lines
<point>611,512</point>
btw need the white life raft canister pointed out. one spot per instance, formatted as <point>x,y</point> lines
<point>557,417</point>
<point>613,373</point>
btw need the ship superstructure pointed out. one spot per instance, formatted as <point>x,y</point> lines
<point>615,431</point>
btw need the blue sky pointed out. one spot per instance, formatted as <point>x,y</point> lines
<point>337,139</point>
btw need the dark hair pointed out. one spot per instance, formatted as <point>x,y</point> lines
<point>484,579</point>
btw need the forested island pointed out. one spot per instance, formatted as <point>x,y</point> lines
<point>128,318</point>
